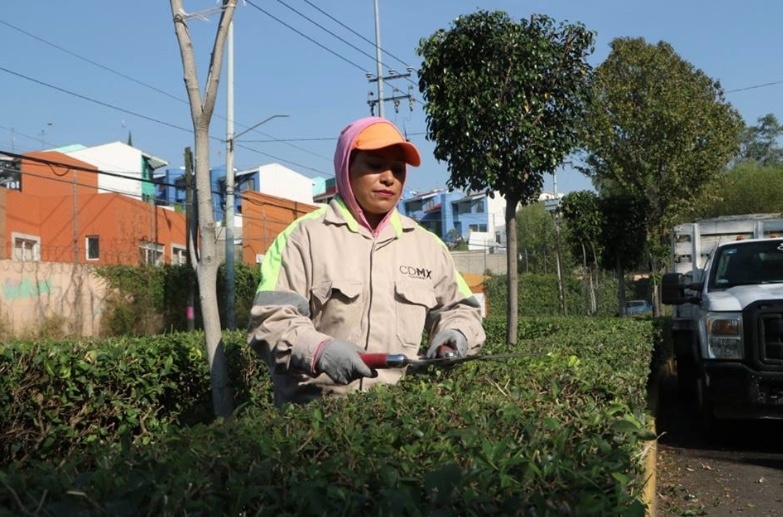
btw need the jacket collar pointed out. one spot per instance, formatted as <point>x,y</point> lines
<point>338,213</point>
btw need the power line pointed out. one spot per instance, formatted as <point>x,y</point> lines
<point>145,117</point>
<point>94,63</point>
<point>278,20</point>
<point>174,126</point>
<point>353,31</point>
<point>124,76</point>
<point>336,54</point>
<point>755,86</point>
<point>94,101</point>
<point>325,29</point>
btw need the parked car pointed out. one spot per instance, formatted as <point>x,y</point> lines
<point>637,307</point>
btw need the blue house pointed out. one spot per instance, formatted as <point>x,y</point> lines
<point>170,189</point>
<point>453,215</point>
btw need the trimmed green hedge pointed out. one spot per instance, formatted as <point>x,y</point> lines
<point>538,295</point>
<point>556,431</point>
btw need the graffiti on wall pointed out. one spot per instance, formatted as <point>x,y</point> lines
<point>25,288</point>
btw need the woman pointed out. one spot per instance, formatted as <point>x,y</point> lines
<point>357,276</point>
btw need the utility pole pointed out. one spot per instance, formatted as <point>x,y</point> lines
<point>230,292</point>
<point>231,139</point>
<point>560,286</point>
<point>397,95</point>
<point>191,221</point>
<point>379,78</point>
<point>378,67</point>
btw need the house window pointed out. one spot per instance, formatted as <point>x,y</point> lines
<point>151,253</point>
<point>414,206</point>
<point>179,254</point>
<point>27,248</point>
<point>93,246</point>
<point>480,207</point>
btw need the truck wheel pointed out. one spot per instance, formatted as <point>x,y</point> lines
<point>716,432</point>
<point>686,377</point>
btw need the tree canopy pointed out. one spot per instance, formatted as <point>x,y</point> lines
<point>760,142</point>
<point>659,130</point>
<point>747,188</point>
<point>503,101</point>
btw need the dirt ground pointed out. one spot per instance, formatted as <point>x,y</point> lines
<point>743,475</point>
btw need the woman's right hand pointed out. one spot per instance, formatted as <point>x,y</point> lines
<point>341,361</point>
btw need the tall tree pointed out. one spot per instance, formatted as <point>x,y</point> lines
<point>658,129</point>
<point>760,142</point>
<point>503,101</point>
<point>582,213</point>
<point>205,259</point>
<point>536,240</point>
<point>747,188</point>
<point>623,237</point>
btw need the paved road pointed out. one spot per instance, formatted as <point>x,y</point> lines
<point>741,476</point>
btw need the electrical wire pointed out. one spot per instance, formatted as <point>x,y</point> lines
<point>124,76</point>
<point>278,20</point>
<point>395,89</point>
<point>151,119</point>
<point>174,126</point>
<point>354,32</point>
<point>773,83</point>
<point>94,63</point>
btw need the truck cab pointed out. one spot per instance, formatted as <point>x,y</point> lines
<point>728,330</point>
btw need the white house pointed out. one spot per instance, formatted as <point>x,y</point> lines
<point>277,180</point>
<point>130,170</point>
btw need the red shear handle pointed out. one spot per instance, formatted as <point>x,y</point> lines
<point>381,361</point>
<point>375,361</point>
<point>445,351</point>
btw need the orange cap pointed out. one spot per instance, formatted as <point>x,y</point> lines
<point>384,134</point>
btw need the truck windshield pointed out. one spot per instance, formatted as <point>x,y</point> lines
<point>748,263</point>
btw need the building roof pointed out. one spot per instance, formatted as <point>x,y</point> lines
<point>470,197</point>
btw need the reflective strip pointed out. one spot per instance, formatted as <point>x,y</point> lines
<point>270,267</point>
<point>283,298</point>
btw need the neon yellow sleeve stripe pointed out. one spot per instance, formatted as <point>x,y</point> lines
<point>273,260</point>
<point>464,289</point>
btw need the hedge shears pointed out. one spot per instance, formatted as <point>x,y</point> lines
<point>447,356</point>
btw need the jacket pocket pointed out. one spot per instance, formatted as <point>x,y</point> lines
<point>413,300</point>
<point>336,308</point>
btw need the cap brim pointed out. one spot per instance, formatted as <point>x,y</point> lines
<point>412,156</point>
<point>409,151</point>
<point>384,135</point>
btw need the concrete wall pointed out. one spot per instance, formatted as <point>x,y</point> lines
<point>33,292</point>
<point>3,231</point>
<point>478,262</point>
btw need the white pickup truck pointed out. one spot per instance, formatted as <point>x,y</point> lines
<point>727,330</point>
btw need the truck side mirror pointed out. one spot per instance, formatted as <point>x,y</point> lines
<point>673,289</point>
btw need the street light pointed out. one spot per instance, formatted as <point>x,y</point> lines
<point>230,291</point>
<point>230,140</point>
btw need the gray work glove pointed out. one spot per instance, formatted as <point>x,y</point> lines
<point>341,362</point>
<point>451,338</point>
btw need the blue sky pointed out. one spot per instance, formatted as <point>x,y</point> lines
<point>89,71</point>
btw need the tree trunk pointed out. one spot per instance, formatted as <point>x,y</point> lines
<point>620,273</point>
<point>560,287</point>
<point>594,282</point>
<point>512,296</point>
<point>207,263</point>
<point>588,284</point>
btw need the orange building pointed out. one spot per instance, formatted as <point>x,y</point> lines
<point>263,218</point>
<point>55,214</point>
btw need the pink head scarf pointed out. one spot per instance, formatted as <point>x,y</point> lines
<point>342,155</point>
